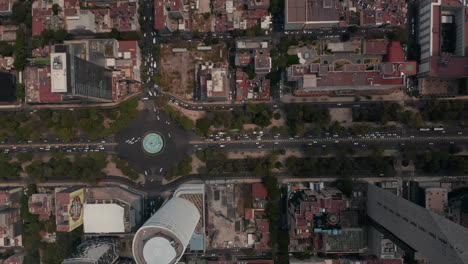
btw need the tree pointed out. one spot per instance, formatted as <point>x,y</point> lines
<point>254,31</point>
<point>53,253</point>
<point>176,33</point>
<point>20,93</point>
<point>292,59</point>
<point>274,6</point>
<point>196,34</point>
<point>277,116</point>
<point>284,44</point>
<point>19,50</point>
<point>186,123</point>
<point>61,35</point>
<point>203,126</point>
<point>209,40</point>
<point>114,34</point>
<point>6,49</point>
<point>345,37</point>
<point>24,156</point>
<point>19,13</point>
<point>157,78</point>
<point>55,9</point>
<point>345,185</point>
<point>352,29</point>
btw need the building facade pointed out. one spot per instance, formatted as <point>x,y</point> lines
<point>69,208</point>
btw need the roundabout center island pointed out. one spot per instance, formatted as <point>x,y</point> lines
<point>153,143</point>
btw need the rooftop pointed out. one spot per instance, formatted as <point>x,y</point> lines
<point>41,204</point>
<point>103,218</point>
<point>376,46</point>
<point>313,11</point>
<point>436,199</point>
<point>96,250</point>
<point>259,191</point>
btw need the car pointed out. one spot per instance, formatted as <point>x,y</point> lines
<point>169,134</point>
<point>146,173</point>
<point>161,170</point>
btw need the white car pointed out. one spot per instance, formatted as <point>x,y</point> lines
<point>146,173</point>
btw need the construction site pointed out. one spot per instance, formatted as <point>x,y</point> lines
<point>231,220</point>
<point>179,62</point>
<point>225,225</point>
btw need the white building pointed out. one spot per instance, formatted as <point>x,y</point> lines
<point>165,236</point>
<point>104,218</point>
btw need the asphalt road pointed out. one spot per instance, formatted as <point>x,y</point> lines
<point>155,166</point>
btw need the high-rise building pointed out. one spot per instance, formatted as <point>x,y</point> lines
<point>78,70</point>
<point>443,43</point>
<point>195,193</point>
<point>430,234</point>
<point>165,236</point>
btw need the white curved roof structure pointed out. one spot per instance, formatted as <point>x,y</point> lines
<point>165,236</point>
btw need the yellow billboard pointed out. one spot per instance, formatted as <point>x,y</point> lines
<point>75,209</point>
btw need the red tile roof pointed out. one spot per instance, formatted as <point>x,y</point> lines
<point>395,52</point>
<point>44,84</point>
<point>375,46</point>
<point>5,5</point>
<point>259,191</point>
<point>41,19</point>
<point>159,15</point>
<point>70,12</point>
<point>248,213</point>
<point>312,10</point>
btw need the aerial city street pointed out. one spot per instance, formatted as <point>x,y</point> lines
<point>233,131</point>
